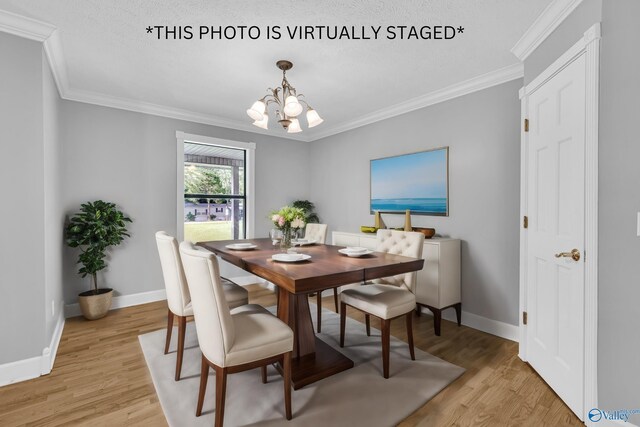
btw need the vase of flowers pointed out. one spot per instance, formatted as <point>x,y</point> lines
<point>288,220</point>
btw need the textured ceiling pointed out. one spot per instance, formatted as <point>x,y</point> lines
<point>107,51</point>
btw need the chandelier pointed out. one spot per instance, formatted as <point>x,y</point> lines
<point>288,105</point>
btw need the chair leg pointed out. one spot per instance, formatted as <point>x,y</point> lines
<point>319,307</point>
<point>204,376</point>
<point>221,391</point>
<point>182,326</point>
<point>286,367</point>
<point>343,321</point>
<point>263,372</point>
<point>418,312</point>
<point>386,337</point>
<point>335,298</point>
<point>367,323</point>
<point>169,330</point>
<point>410,335</point>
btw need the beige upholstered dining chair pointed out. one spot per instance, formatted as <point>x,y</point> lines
<point>178,297</point>
<point>390,297</point>
<point>232,341</point>
<point>318,232</point>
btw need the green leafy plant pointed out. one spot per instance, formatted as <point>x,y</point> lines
<point>190,217</point>
<point>98,226</point>
<point>308,209</point>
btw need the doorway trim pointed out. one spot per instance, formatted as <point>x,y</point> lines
<point>250,177</point>
<point>589,46</point>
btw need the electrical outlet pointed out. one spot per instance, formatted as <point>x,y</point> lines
<point>53,308</point>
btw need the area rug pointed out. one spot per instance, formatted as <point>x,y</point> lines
<point>357,397</point>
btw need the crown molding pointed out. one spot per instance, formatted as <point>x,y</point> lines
<point>543,26</point>
<point>484,81</point>
<point>43,32</point>
<point>33,29</point>
<point>169,112</point>
<point>48,34</point>
<point>57,63</point>
<point>22,26</point>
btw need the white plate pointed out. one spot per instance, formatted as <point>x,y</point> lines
<point>303,242</point>
<point>355,249</point>
<point>357,254</point>
<point>241,246</point>
<point>290,257</point>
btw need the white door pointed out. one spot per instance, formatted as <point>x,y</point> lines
<point>556,200</point>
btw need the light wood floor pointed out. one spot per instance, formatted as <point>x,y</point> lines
<point>100,377</point>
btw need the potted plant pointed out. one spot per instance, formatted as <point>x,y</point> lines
<point>98,226</point>
<point>308,208</point>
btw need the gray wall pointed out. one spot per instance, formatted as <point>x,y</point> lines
<point>53,210</point>
<point>21,186</point>
<point>566,35</point>
<point>483,132</point>
<point>619,199</point>
<point>130,159</point>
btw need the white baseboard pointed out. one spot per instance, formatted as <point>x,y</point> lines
<point>20,370</point>
<point>490,326</point>
<point>121,301</point>
<point>49,353</point>
<point>27,369</point>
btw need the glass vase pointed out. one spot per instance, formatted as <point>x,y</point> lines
<point>285,242</point>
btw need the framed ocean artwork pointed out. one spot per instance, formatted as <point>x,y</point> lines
<point>417,181</point>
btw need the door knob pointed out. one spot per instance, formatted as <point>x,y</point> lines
<point>575,254</point>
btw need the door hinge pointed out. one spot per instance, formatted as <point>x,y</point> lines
<point>526,125</point>
<point>525,222</point>
<point>524,317</point>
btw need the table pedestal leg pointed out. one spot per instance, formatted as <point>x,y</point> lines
<point>313,359</point>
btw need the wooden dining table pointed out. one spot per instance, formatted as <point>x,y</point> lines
<point>327,268</point>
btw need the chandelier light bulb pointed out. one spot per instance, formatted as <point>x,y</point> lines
<point>313,118</point>
<point>262,123</point>
<point>257,110</point>
<point>292,107</point>
<point>294,127</point>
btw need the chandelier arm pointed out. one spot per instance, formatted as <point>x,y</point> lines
<point>274,94</point>
<point>267,99</point>
<point>269,102</point>
<point>281,115</point>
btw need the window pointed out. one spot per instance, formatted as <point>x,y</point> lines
<point>214,203</point>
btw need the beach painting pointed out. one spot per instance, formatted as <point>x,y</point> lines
<point>417,181</point>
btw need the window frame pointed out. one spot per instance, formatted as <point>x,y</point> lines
<point>249,190</point>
